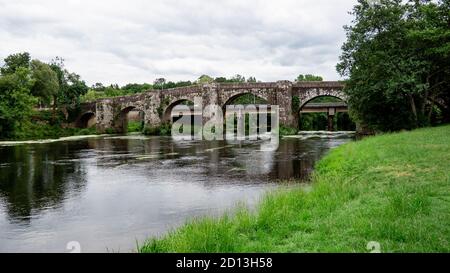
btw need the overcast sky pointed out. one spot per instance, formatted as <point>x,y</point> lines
<point>137,41</point>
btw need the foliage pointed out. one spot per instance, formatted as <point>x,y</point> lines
<point>162,130</point>
<point>159,83</point>
<point>14,61</point>
<point>133,88</point>
<point>296,104</point>
<point>46,84</point>
<point>287,131</point>
<point>135,126</point>
<point>396,58</point>
<point>16,101</point>
<point>309,78</point>
<point>235,79</point>
<point>204,79</point>
<point>392,188</point>
<point>45,130</point>
<point>319,121</point>
<point>71,87</point>
<point>247,99</point>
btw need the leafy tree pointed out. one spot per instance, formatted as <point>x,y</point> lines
<point>133,88</point>
<point>183,83</point>
<point>396,61</point>
<point>308,77</point>
<point>16,101</point>
<point>429,35</point>
<point>98,86</point>
<point>46,84</point>
<point>71,88</point>
<point>14,61</point>
<point>159,83</point>
<point>238,78</point>
<point>204,79</point>
<point>220,80</point>
<point>251,79</point>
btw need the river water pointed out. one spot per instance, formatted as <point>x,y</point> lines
<point>108,193</point>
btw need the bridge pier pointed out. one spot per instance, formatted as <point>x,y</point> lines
<point>104,115</point>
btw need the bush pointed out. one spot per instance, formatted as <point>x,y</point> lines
<point>162,130</point>
<point>134,126</point>
<point>287,131</point>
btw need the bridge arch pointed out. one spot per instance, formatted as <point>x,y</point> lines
<point>317,113</point>
<point>167,114</point>
<point>121,124</point>
<point>311,100</point>
<point>311,94</point>
<point>231,95</point>
<point>252,99</point>
<point>86,120</point>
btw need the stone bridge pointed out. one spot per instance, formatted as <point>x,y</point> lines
<point>156,105</point>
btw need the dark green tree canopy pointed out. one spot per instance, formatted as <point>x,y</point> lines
<point>46,84</point>
<point>16,101</point>
<point>396,62</point>
<point>308,78</point>
<point>14,61</point>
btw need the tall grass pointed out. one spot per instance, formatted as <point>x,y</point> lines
<point>393,189</point>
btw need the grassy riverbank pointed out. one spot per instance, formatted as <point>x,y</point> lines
<point>393,189</point>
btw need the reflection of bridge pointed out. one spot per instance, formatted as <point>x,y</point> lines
<point>157,105</point>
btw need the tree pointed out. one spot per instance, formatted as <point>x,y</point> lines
<point>251,79</point>
<point>205,79</point>
<point>390,64</point>
<point>133,88</point>
<point>308,77</point>
<point>46,84</point>
<point>220,79</point>
<point>16,101</point>
<point>14,61</point>
<point>238,78</point>
<point>159,83</point>
<point>71,88</point>
<point>430,36</point>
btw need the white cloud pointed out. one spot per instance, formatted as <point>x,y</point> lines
<point>138,41</point>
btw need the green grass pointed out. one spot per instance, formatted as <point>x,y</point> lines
<point>393,189</point>
<point>134,126</point>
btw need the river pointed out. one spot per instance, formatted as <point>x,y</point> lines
<point>107,193</point>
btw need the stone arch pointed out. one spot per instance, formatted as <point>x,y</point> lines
<point>231,95</point>
<point>232,98</point>
<point>331,109</point>
<point>86,120</point>
<point>311,94</point>
<point>303,104</point>
<point>167,114</point>
<point>121,124</point>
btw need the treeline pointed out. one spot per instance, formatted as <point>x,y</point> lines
<point>98,90</point>
<point>397,61</point>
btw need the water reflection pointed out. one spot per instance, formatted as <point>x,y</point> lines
<point>34,178</point>
<point>108,192</point>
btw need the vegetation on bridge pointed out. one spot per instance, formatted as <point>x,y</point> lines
<point>393,189</point>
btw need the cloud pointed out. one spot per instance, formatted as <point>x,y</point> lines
<point>137,41</point>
